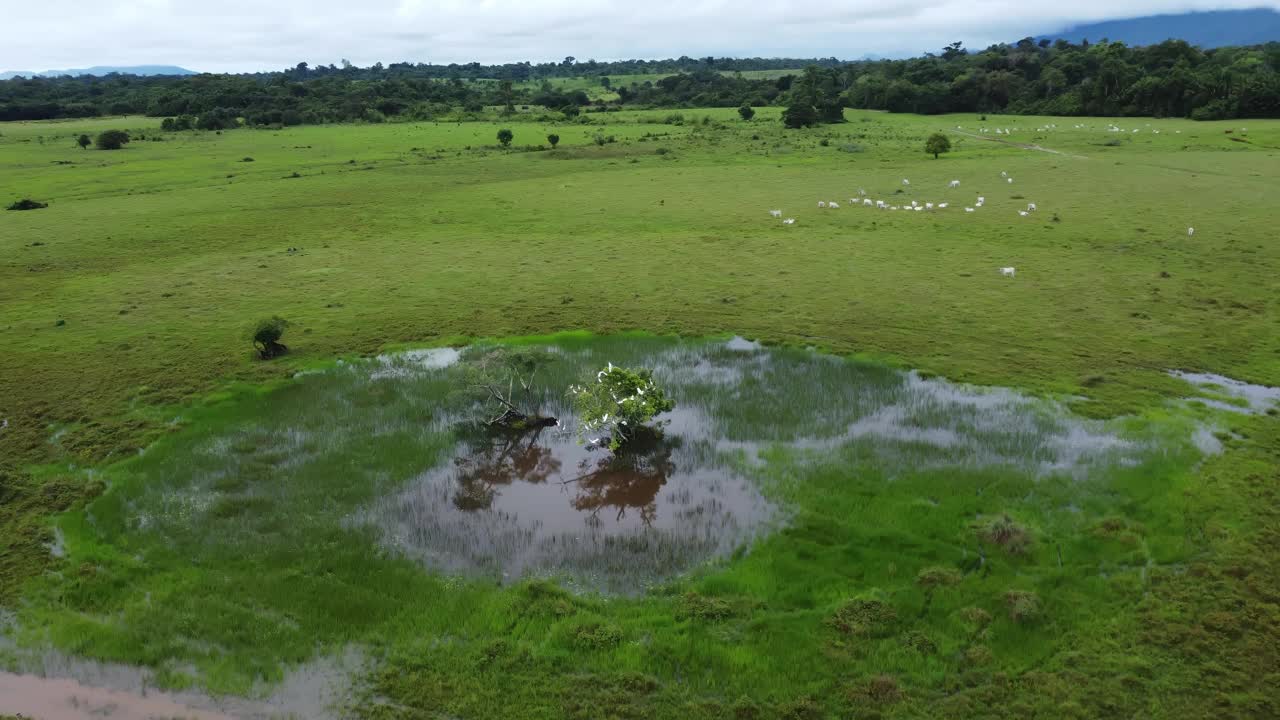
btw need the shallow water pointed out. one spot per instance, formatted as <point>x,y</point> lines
<point>1254,399</point>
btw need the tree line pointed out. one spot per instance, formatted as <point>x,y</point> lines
<point>1171,79</point>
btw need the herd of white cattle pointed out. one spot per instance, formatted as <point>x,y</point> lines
<point>862,200</point>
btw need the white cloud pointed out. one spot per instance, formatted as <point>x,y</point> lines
<point>246,35</point>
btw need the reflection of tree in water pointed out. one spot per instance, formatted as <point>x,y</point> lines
<point>499,457</point>
<point>629,479</point>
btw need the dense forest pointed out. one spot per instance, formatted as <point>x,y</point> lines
<point>1170,79</point>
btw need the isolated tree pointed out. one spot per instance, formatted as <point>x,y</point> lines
<point>112,139</point>
<point>506,92</point>
<point>746,112</point>
<point>800,115</point>
<point>617,403</point>
<point>84,142</point>
<point>505,376</point>
<point>937,144</point>
<point>505,136</point>
<point>570,111</point>
<point>266,337</point>
<point>554,139</point>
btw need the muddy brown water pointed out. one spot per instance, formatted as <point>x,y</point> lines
<point>39,698</point>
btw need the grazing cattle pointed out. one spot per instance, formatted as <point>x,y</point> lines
<point>968,209</point>
<point>906,181</point>
<point>789,221</point>
<point>1010,181</point>
<point>862,193</point>
<point>822,204</point>
<point>776,213</point>
<point>867,202</point>
<point>914,203</point>
<point>917,208</point>
<point>954,184</point>
<point>928,206</point>
<point>1008,271</point>
<point>881,204</point>
<point>1031,206</point>
<point>1023,213</point>
<point>1004,174</point>
<point>981,199</point>
<point>1191,231</point>
<point>942,206</point>
<point>833,205</point>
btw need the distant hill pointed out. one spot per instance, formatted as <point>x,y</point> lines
<point>103,70</point>
<point>1217,28</point>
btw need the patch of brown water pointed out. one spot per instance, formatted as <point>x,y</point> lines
<point>40,698</point>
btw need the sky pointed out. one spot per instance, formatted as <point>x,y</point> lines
<point>253,35</point>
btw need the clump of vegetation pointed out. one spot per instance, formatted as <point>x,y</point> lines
<point>865,618</point>
<point>1023,605</point>
<point>84,141</point>
<point>879,690</point>
<point>920,642</point>
<point>746,112</point>
<point>937,144</point>
<point>266,337</point>
<point>27,204</point>
<point>1005,532</point>
<point>112,139</point>
<point>695,606</point>
<point>619,404</point>
<point>597,636</point>
<point>554,140</point>
<point>505,136</point>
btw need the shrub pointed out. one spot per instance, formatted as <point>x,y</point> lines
<point>935,577</point>
<point>746,112</point>
<point>865,618</point>
<point>505,136</point>
<point>1023,605</point>
<point>554,139</point>
<point>27,204</point>
<point>266,337</point>
<point>112,139</point>
<point>694,606</point>
<point>619,403</point>
<point>1005,532</point>
<point>597,636</point>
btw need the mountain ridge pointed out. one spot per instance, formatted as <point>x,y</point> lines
<point>140,70</point>
<point>1208,29</point>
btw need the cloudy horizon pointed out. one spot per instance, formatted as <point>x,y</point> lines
<point>244,36</point>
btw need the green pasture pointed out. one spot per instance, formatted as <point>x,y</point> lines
<point>125,307</point>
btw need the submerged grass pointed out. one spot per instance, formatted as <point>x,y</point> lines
<point>132,292</point>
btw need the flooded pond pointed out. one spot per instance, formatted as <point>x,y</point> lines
<point>395,452</point>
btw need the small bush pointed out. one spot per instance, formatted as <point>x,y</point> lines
<point>1005,532</point>
<point>505,136</point>
<point>935,577</point>
<point>266,337</point>
<point>112,139</point>
<point>597,636</point>
<point>662,151</point>
<point>694,606</point>
<point>246,159</point>
<point>1023,605</point>
<point>824,142</point>
<point>865,618</point>
<point>27,204</point>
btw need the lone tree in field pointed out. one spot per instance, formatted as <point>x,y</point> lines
<point>616,405</point>
<point>554,139</point>
<point>937,144</point>
<point>505,136</point>
<point>746,112</point>
<point>84,142</point>
<point>266,337</point>
<point>112,139</point>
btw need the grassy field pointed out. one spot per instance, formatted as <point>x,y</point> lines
<point>125,306</point>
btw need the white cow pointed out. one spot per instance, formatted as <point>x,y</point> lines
<point>981,199</point>
<point>1010,181</point>
<point>1023,213</point>
<point>1191,231</point>
<point>954,184</point>
<point>1031,206</point>
<point>917,208</point>
<point>822,203</point>
<point>776,213</point>
<point>1004,174</point>
<point>868,202</point>
<point>1008,271</point>
<point>928,206</point>
<point>833,205</point>
<point>906,181</point>
<point>942,206</point>
<point>789,221</point>
<point>968,209</point>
